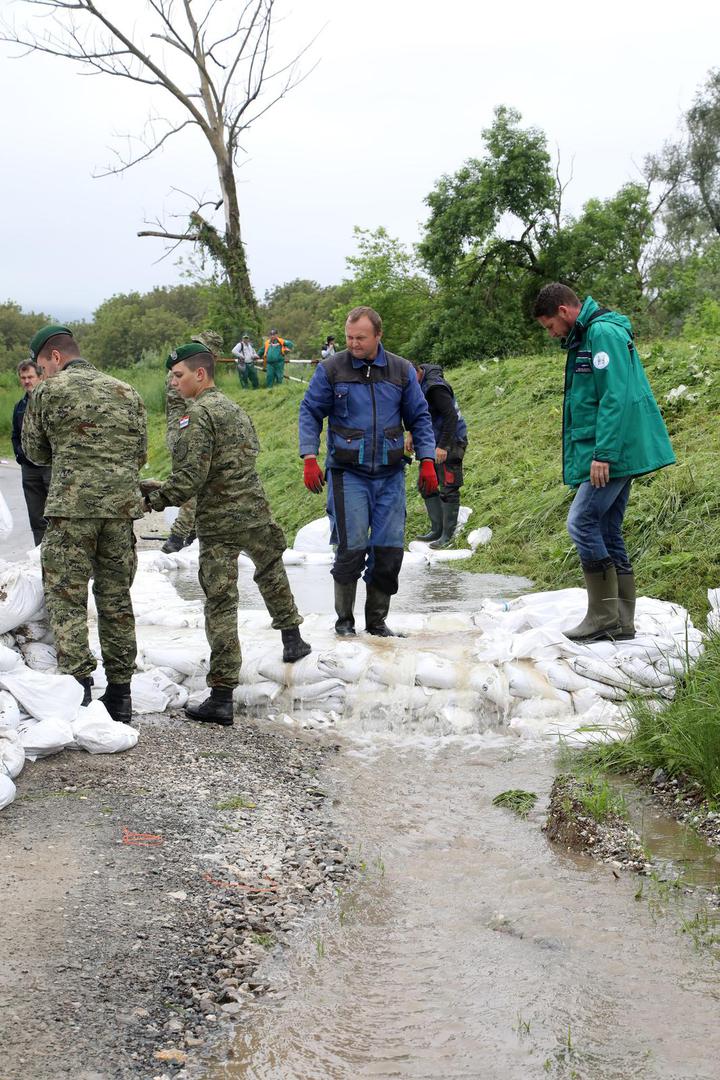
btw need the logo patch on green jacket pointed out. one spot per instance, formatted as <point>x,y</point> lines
<point>601,360</point>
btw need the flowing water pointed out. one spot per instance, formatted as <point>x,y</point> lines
<point>471,947</point>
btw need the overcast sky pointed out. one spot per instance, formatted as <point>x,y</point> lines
<point>401,93</point>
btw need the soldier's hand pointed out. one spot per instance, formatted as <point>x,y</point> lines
<point>146,486</point>
<point>427,481</point>
<point>313,477</point>
<point>440,455</point>
<point>409,447</point>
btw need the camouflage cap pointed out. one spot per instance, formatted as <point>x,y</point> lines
<point>184,352</point>
<point>44,336</point>
<point>209,338</point>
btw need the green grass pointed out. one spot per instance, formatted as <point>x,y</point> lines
<point>235,802</point>
<point>683,739</point>
<point>520,802</point>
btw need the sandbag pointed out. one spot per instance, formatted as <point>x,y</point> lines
<point>42,695</point>
<point>301,673</point>
<point>152,691</point>
<point>39,656</point>
<point>491,683</point>
<point>480,537</point>
<point>436,671</point>
<point>21,597</point>
<point>41,738</point>
<point>525,681</point>
<point>6,520</point>
<point>9,711</point>
<point>315,536</point>
<point>95,730</point>
<point>7,790</point>
<point>256,695</point>
<point>346,661</point>
<point>12,752</point>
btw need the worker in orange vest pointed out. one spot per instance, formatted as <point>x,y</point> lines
<point>272,352</point>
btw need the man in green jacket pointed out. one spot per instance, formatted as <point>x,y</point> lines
<point>612,431</point>
<point>272,353</point>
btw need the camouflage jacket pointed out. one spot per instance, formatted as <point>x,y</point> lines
<point>214,458</point>
<point>92,430</point>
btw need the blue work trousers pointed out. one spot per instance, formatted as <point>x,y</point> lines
<point>368,527</point>
<point>595,523</point>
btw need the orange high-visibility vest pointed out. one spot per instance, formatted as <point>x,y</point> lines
<point>268,343</point>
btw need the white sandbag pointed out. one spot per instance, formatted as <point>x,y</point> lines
<point>7,790</point>
<point>256,695</point>
<point>12,752</point>
<point>152,691</point>
<point>43,695</point>
<point>21,597</point>
<point>95,730</point>
<point>301,673</point>
<point>319,558</point>
<point>537,708</point>
<point>540,642</point>
<point>173,655</point>
<point>491,683</point>
<point>644,674</point>
<point>436,671</point>
<point>494,647</point>
<point>32,631</point>
<point>315,536</point>
<point>448,555</point>
<point>479,537</point>
<point>560,675</point>
<point>392,667</point>
<point>41,738</point>
<point>9,711</point>
<point>346,661</point>
<point>291,557</point>
<point>39,656</point>
<point>525,681</point>
<point>6,520</point>
<point>601,671</point>
<point>326,688</point>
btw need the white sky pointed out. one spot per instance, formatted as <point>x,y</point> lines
<point>401,95</point>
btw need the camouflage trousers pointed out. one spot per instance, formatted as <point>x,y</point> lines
<point>184,523</point>
<point>218,577</point>
<point>73,551</point>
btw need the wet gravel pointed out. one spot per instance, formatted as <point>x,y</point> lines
<point>612,840</point>
<point>141,891</point>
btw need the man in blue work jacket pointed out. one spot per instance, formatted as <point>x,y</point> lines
<point>367,394</point>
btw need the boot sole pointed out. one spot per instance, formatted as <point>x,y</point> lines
<point>208,720</point>
<point>610,634</point>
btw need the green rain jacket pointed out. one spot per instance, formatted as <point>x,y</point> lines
<point>609,411</point>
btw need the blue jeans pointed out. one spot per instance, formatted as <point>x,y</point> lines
<point>595,524</point>
<point>368,527</point>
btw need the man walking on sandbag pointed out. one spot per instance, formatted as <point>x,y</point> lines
<point>91,429</point>
<point>612,431</point>
<point>367,394</point>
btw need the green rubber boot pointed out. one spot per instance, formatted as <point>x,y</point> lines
<point>626,605</point>
<point>434,508</point>
<point>602,619</point>
<point>344,609</point>
<point>450,511</point>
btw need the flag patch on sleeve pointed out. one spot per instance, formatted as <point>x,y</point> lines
<point>184,421</point>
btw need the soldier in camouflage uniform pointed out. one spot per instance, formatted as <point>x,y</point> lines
<point>92,429</point>
<point>214,458</point>
<point>183,527</point>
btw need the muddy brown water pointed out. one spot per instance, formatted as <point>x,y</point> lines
<point>470,946</point>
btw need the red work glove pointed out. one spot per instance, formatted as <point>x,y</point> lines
<point>427,481</point>
<point>313,475</point>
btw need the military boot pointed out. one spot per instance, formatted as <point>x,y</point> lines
<point>190,538</point>
<point>294,648</point>
<point>86,683</point>
<point>450,511</point>
<point>602,619</point>
<point>626,605</point>
<point>118,702</point>
<point>217,709</point>
<point>377,605</point>
<point>434,508</point>
<point>344,606</point>
<point>172,544</point>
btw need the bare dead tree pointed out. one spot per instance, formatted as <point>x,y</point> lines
<point>213,60</point>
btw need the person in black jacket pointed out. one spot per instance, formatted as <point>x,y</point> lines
<point>35,478</point>
<point>450,432</point>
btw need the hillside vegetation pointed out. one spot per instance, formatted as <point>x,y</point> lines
<point>513,473</point>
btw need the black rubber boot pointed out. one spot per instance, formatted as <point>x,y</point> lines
<point>626,605</point>
<point>118,702</point>
<point>433,505</point>
<point>344,608</point>
<point>602,620</point>
<point>377,605</point>
<point>172,544</point>
<point>294,648</point>
<point>217,709</point>
<point>450,511</point>
<point>86,684</point>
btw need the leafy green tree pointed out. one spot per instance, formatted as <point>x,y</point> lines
<point>128,326</point>
<point>16,329</point>
<point>301,310</point>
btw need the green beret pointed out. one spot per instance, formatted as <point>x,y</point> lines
<point>184,352</point>
<point>44,336</point>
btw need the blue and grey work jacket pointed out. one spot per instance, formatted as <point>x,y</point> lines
<point>367,405</point>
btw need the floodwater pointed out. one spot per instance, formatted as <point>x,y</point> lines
<point>471,947</point>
